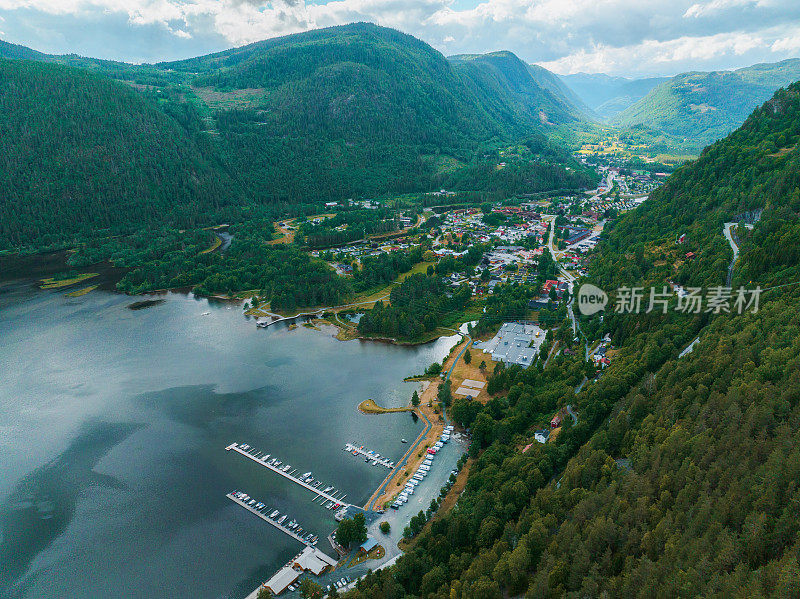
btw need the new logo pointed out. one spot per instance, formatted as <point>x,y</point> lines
<point>591,299</point>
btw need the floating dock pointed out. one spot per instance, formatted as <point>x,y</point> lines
<point>369,456</point>
<point>334,498</point>
<point>245,501</point>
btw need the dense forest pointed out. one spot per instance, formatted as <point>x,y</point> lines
<point>417,306</point>
<point>95,148</point>
<point>347,226</point>
<point>81,154</point>
<point>679,476</point>
<point>384,268</point>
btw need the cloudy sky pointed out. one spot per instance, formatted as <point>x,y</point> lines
<point>624,37</point>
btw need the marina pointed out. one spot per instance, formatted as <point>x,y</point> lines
<point>291,528</point>
<point>369,456</point>
<point>329,497</point>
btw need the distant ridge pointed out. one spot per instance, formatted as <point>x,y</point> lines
<point>705,106</point>
<point>608,95</point>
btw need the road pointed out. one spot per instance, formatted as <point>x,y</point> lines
<point>421,437</point>
<point>444,462</point>
<point>570,279</point>
<point>726,230</point>
<point>321,310</point>
<point>571,413</point>
<point>371,505</point>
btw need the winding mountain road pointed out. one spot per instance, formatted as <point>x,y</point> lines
<point>726,230</point>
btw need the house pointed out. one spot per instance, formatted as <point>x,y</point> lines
<point>541,436</point>
<point>690,255</point>
<point>314,561</point>
<point>556,421</point>
<point>282,579</point>
<point>537,304</point>
<point>548,284</point>
<point>368,545</point>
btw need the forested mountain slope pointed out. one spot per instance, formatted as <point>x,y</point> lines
<point>552,82</point>
<point>352,82</point>
<point>325,115</point>
<point>504,83</point>
<point>680,477</point>
<point>704,107</point>
<point>79,153</point>
<point>356,109</point>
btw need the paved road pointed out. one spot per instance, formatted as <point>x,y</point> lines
<point>571,413</point>
<point>445,461</point>
<point>402,462</point>
<point>325,309</point>
<point>726,230</point>
<point>570,279</point>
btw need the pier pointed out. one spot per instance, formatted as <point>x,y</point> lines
<point>308,540</point>
<point>264,460</point>
<point>370,456</point>
<point>276,319</point>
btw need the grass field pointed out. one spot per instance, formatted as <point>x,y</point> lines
<point>80,292</point>
<point>56,283</point>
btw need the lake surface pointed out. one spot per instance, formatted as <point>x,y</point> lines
<point>113,424</point>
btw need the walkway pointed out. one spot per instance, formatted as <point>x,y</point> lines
<point>371,503</point>
<point>264,517</point>
<point>428,425</point>
<point>235,447</point>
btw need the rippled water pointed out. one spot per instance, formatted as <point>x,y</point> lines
<point>113,424</point>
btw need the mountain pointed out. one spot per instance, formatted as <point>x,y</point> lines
<point>81,153</point>
<point>553,83</point>
<point>325,115</point>
<point>703,107</point>
<point>675,474</point>
<point>607,95</point>
<point>358,109</point>
<point>509,89</point>
<point>352,82</point>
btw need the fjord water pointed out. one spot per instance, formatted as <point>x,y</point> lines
<point>113,424</point>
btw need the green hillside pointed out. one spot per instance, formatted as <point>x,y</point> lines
<point>329,114</point>
<point>703,107</point>
<point>81,153</point>
<point>553,83</point>
<point>356,109</point>
<point>512,91</point>
<point>679,477</point>
<point>353,82</point>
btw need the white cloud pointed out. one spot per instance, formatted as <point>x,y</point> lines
<point>682,51</point>
<point>645,36</point>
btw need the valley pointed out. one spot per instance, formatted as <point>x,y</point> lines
<point>551,319</point>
